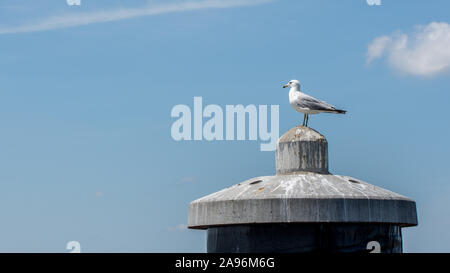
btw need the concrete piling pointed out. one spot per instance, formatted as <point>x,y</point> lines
<point>303,208</point>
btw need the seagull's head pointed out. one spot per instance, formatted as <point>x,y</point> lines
<point>292,83</point>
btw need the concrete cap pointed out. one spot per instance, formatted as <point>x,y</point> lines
<point>302,149</point>
<point>302,198</point>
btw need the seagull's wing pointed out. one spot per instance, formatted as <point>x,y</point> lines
<point>306,101</point>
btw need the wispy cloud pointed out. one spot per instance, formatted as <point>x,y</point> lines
<point>373,2</point>
<point>188,179</point>
<point>426,52</point>
<point>180,227</point>
<point>78,19</point>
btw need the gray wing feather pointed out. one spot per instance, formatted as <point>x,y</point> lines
<point>313,104</point>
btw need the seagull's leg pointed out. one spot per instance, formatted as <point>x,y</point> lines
<point>304,119</point>
<point>307,119</point>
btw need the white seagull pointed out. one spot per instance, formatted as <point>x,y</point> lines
<point>306,104</point>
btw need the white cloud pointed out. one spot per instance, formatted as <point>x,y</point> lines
<point>377,47</point>
<point>78,19</point>
<point>426,52</point>
<point>373,2</point>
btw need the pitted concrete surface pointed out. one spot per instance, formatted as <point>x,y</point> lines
<point>301,133</point>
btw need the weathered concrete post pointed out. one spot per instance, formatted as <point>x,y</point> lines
<point>303,208</point>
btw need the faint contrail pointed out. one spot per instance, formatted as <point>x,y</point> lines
<point>78,19</point>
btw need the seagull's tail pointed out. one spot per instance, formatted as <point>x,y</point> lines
<point>338,111</point>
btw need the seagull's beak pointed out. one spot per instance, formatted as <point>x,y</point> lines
<point>286,85</point>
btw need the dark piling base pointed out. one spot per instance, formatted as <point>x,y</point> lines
<point>303,238</point>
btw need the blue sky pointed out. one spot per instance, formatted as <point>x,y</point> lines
<point>86,94</point>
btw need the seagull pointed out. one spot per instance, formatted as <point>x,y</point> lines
<point>306,104</point>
